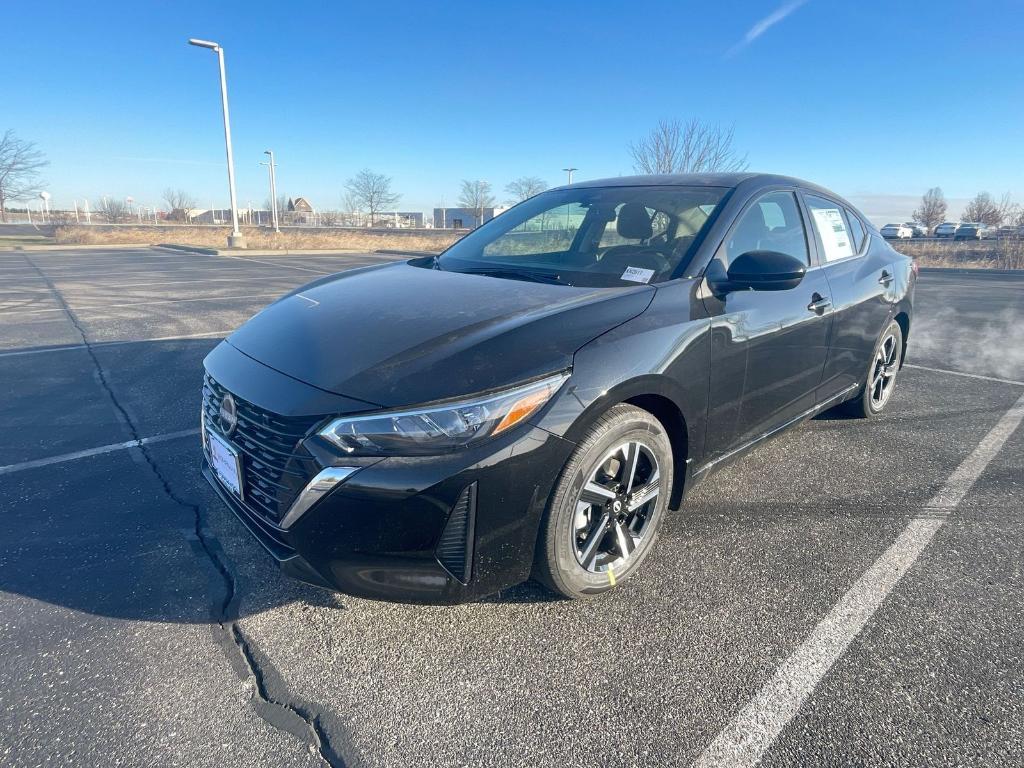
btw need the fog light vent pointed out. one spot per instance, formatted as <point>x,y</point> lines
<point>455,550</point>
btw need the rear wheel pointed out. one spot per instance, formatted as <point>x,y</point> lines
<point>608,503</point>
<point>881,376</point>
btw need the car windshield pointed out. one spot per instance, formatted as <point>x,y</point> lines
<point>590,236</point>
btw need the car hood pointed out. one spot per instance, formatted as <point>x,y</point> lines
<point>399,334</point>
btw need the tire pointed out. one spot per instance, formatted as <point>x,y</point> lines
<point>885,361</point>
<point>583,534</point>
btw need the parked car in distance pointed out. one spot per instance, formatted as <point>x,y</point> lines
<point>970,230</point>
<point>946,229</point>
<point>1008,231</point>
<point>537,398</point>
<point>918,230</point>
<point>896,232</point>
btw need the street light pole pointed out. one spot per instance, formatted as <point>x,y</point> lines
<point>569,171</point>
<point>480,201</point>
<point>273,188</point>
<point>235,239</point>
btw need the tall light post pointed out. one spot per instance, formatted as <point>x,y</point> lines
<point>273,188</point>
<point>569,171</point>
<point>480,201</point>
<point>235,239</point>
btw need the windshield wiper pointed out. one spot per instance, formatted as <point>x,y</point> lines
<point>518,274</point>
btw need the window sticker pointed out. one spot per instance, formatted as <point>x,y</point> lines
<point>834,236</point>
<point>638,275</point>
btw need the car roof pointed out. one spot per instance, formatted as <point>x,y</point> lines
<point>728,180</point>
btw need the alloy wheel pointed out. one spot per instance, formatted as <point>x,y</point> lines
<point>615,508</point>
<point>883,372</point>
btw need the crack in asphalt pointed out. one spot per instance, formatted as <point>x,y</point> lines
<point>296,719</point>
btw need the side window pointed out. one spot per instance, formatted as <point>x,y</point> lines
<point>831,226</point>
<point>772,223</point>
<point>856,230</point>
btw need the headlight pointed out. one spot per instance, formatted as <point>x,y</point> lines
<point>441,428</point>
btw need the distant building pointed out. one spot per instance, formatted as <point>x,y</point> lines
<point>220,216</point>
<point>300,205</point>
<point>300,211</point>
<point>209,215</point>
<point>463,218</point>
<point>400,219</point>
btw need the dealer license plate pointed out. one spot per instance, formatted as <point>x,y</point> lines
<point>225,463</point>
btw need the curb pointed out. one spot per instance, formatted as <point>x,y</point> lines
<point>398,252</point>
<point>175,248</point>
<point>243,252</point>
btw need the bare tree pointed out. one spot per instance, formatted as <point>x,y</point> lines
<point>1008,210</point>
<point>282,206</point>
<point>179,202</point>
<point>932,210</point>
<point>330,218</point>
<point>113,210</point>
<point>476,195</point>
<point>983,209</point>
<point>20,164</point>
<point>349,204</point>
<point>524,188</point>
<point>371,192</point>
<point>691,147</point>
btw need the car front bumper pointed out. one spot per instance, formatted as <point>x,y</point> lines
<point>439,530</point>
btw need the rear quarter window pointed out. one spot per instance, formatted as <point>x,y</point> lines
<point>856,230</point>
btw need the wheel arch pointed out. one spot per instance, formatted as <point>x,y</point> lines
<point>903,319</point>
<point>672,419</point>
<point>656,396</point>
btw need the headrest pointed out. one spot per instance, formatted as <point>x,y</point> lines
<point>634,223</point>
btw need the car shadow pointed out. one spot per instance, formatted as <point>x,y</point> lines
<point>133,534</point>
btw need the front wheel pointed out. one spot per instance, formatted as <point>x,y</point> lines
<point>605,511</point>
<point>880,382</point>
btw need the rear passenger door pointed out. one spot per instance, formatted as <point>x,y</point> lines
<point>860,276</point>
<point>768,348</point>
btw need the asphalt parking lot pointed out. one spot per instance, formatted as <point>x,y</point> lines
<point>141,624</point>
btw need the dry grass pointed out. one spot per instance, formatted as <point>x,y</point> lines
<point>979,254</point>
<point>984,254</point>
<point>256,237</point>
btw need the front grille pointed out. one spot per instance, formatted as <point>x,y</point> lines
<point>272,475</point>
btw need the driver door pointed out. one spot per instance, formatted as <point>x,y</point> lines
<point>768,348</point>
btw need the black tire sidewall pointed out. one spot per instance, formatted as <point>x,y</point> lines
<point>869,407</point>
<point>560,569</point>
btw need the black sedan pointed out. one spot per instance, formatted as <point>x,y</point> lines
<point>533,401</point>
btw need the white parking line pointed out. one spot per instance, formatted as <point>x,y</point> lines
<point>275,264</point>
<point>11,468</point>
<point>744,741</point>
<point>15,310</point>
<point>101,344</point>
<point>201,280</point>
<point>964,373</point>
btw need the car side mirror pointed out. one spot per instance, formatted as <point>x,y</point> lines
<point>765,271</point>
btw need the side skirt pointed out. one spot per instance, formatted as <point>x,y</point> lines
<point>735,453</point>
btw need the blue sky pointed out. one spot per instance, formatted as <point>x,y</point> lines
<point>876,100</point>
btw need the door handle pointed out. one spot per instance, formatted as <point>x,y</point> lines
<point>819,304</point>
<point>885,279</point>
